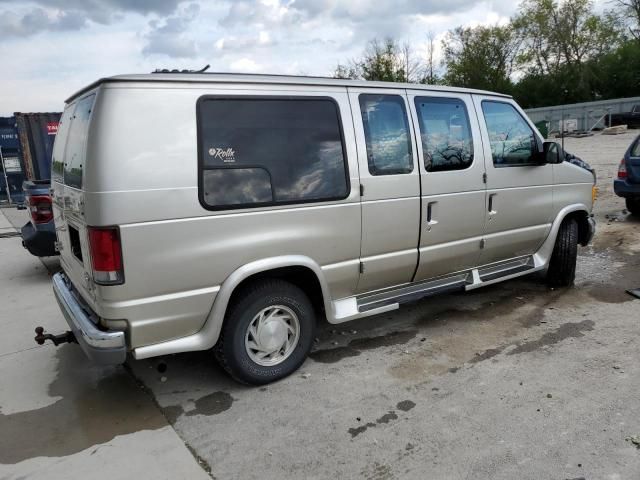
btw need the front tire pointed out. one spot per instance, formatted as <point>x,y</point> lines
<point>267,333</point>
<point>633,205</point>
<point>562,266</point>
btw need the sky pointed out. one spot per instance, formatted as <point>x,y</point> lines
<point>51,48</point>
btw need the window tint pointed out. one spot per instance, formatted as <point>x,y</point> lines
<point>241,186</point>
<point>512,140</point>
<point>77,143</point>
<point>270,150</point>
<point>386,131</point>
<point>445,131</point>
<point>635,151</point>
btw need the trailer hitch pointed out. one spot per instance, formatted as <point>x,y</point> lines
<point>66,337</point>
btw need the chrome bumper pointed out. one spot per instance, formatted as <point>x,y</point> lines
<point>104,348</point>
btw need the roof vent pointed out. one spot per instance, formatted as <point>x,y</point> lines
<point>175,70</point>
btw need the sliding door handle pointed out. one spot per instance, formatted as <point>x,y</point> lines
<point>492,205</point>
<point>430,220</point>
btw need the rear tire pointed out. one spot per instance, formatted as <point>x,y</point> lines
<point>633,205</point>
<point>267,333</point>
<point>562,266</point>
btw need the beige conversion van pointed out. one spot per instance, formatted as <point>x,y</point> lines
<point>232,213</point>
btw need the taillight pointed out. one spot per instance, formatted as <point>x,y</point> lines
<point>40,208</point>
<point>106,255</point>
<point>622,169</point>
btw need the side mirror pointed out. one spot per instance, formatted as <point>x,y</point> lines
<point>550,154</point>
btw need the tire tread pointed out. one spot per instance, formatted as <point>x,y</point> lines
<point>242,299</point>
<point>562,266</point>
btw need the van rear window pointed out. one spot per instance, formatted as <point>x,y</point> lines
<point>76,145</point>
<point>57,166</point>
<point>270,150</point>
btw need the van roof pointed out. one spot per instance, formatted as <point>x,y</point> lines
<point>213,78</point>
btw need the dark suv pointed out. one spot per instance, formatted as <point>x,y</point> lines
<point>627,184</point>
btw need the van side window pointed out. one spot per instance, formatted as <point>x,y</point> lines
<point>512,139</point>
<point>270,150</point>
<point>445,131</point>
<point>386,131</point>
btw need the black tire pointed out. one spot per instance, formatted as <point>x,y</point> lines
<point>230,349</point>
<point>633,205</point>
<point>562,266</point>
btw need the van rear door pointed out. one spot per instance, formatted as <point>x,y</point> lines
<point>69,154</point>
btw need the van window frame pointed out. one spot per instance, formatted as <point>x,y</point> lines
<point>201,153</point>
<point>426,97</point>
<point>524,119</point>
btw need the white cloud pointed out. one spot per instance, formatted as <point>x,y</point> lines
<point>61,45</point>
<point>170,37</point>
<point>34,20</point>
<point>245,65</point>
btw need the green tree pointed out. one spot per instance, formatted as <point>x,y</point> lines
<point>629,13</point>
<point>346,71</point>
<point>561,40</point>
<point>617,74</point>
<point>481,57</point>
<point>383,60</point>
<point>430,74</point>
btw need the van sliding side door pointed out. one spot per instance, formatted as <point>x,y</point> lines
<point>452,174</point>
<point>390,186</point>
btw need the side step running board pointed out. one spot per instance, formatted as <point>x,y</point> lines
<point>412,292</point>
<point>391,298</point>
<point>507,268</point>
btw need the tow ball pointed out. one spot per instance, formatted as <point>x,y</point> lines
<point>66,337</point>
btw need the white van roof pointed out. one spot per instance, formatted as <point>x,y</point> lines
<point>271,79</point>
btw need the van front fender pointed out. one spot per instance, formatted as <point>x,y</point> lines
<point>543,255</point>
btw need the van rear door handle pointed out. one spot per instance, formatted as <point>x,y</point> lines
<point>430,221</point>
<point>492,203</point>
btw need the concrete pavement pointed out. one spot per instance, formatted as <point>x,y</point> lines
<point>59,416</point>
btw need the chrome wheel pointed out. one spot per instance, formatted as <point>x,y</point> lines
<point>272,335</point>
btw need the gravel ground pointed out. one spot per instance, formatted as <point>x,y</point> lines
<point>511,381</point>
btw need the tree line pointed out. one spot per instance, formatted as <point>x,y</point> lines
<point>549,53</point>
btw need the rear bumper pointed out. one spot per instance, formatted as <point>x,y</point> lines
<point>103,348</point>
<point>623,188</point>
<point>40,243</point>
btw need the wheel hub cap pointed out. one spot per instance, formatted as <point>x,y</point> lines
<point>272,335</point>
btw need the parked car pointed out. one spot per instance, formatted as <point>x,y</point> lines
<point>627,185</point>
<point>39,233</point>
<point>231,212</point>
<point>631,119</point>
